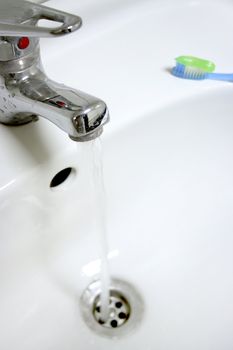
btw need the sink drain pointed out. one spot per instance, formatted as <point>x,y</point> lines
<point>125,308</point>
<point>119,311</point>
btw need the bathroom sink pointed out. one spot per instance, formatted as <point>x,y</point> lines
<point>170,199</point>
<point>168,170</point>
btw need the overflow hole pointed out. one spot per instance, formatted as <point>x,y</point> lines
<point>61,177</point>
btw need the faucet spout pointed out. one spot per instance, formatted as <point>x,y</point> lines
<point>80,115</point>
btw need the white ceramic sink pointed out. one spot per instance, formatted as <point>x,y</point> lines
<point>168,177</point>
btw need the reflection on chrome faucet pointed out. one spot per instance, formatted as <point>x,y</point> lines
<point>25,90</point>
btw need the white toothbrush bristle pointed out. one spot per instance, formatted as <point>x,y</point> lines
<point>194,73</point>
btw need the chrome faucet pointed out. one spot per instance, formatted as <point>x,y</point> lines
<point>26,93</point>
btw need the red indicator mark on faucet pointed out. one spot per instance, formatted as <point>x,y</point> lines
<point>23,43</point>
<point>61,104</point>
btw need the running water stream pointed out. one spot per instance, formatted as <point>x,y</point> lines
<point>100,197</point>
<point>95,156</point>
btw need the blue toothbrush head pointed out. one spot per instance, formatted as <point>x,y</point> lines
<point>186,72</point>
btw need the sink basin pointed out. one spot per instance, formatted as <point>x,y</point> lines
<point>168,172</point>
<point>170,203</point>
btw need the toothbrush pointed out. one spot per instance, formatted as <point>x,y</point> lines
<point>194,68</point>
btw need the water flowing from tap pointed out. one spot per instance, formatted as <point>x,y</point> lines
<point>98,196</point>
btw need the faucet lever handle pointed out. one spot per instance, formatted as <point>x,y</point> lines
<point>20,18</point>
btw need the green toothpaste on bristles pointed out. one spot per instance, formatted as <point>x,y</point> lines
<point>196,63</point>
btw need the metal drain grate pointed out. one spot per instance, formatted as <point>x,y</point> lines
<point>119,311</point>
<point>125,308</point>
